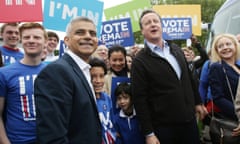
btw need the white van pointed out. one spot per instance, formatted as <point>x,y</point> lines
<point>226,20</point>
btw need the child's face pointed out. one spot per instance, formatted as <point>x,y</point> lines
<point>117,61</point>
<point>97,75</point>
<point>123,101</point>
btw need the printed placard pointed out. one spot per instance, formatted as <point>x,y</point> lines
<point>20,10</point>
<point>58,13</point>
<point>117,32</point>
<point>176,28</point>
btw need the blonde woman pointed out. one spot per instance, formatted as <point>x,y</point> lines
<point>224,54</point>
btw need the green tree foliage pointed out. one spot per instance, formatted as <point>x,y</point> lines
<point>208,10</point>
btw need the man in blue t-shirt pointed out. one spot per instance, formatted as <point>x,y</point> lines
<point>17,106</point>
<point>10,35</point>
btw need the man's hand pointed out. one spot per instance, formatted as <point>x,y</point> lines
<point>236,131</point>
<point>201,111</point>
<point>194,39</point>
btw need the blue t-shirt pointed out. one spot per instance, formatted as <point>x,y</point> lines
<point>10,56</point>
<point>16,86</point>
<point>104,105</point>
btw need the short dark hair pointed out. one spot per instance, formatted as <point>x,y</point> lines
<point>78,19</point>
<point>8,24</point>
<point>96,62</point>
<point>53,34</point>
<point>117,48</point>
<point>147,12</point>
<point>123,88</point>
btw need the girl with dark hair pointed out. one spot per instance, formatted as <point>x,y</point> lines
<point>118,66</point>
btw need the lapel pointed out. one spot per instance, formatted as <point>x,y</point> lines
<point>80,74</point>
<point>178,54</point>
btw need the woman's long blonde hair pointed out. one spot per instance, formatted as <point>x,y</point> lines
<point>214,54</point>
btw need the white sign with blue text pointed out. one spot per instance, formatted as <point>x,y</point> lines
<point>117,32</point>
<point>176,28</point>
<point>58,13</point>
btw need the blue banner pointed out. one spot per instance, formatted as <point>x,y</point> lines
<point>58,13</point>
<point>62,48</point>
<point>117,32</point>
<point>176,28</point>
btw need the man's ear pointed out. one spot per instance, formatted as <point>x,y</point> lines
<point>66,39</point>
<point>142,32</point>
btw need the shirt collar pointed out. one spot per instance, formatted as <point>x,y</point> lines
<point>122,114</point>
<point>11,49</point>
<point>81,63</point>
<point>153,47</point>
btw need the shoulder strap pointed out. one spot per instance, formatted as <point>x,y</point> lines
<point>230,89</point>
<point>229,86</point>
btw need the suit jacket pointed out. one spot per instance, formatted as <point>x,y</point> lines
<point>159,96</point>
<point>65,106</point>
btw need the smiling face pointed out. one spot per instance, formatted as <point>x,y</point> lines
<point>124,102</point>
<point>151,27</point>
<point>226,48</point>
<point>97,76</point>
<point>33,41</point>
<point>102,52</point>
<point>52,43</point>
<point>117,61</point>
<point>81,39</point>
<point>10,36</point>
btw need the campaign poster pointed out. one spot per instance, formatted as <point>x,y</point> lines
<point>21,10</point>
<point>117,32</point>
<point>176,28</point>
<point>182,11</point>
<point>62,48</point>
<point>132,9</point>
<point>58,13</point>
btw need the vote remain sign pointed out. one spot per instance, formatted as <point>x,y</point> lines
<point>21,10</point>
<point>117,32</point>
<point>176,28</point>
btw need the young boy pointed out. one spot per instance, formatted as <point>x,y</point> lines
<point>126,122</point>
<point>104,103</point>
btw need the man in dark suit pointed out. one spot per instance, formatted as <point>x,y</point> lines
<point>65,103</point>
<point>164,93</point>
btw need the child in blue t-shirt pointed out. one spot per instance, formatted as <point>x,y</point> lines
<point>126,122</point>
<point>104,103</point>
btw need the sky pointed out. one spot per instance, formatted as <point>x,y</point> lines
<point>111,3</point>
